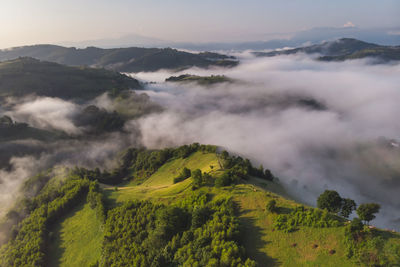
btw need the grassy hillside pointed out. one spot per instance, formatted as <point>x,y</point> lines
<point>25,76</point>
<point>76,241</point>
<point>308,246</point>
<point>132,59</point>
<point>160,185</point>
<point>139,212</point>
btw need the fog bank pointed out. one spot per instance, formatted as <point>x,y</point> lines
<point>316,125</point>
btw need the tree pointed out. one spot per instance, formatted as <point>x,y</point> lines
<point>223,180</point>
<point>366,211</point>
<point>348,205</point>
<point>330,200</point>
<point>356,226</point>
<point>197,177</point>
<point>271,206</point>
<point>207,178</point>
<point>268,175</point>
<point>185,173</point>
<point>224,154</point>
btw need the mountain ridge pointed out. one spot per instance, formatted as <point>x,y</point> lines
<point>342,49</point>
<point>132,59</point>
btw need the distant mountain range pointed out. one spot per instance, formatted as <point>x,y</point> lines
<point>382,36</point>
<point>133,59</point>
<point>342,49</point>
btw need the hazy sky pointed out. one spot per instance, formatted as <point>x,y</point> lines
<point>49,21</point>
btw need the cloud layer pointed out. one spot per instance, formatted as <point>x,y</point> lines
<point>266,117</point>
<point>316,125</point>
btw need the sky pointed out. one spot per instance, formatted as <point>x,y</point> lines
<point>25,22</point>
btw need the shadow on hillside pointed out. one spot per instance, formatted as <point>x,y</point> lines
<point>109,201</point>
<point>284,210</point>
<point>54,240</point>
<point>251,239</point>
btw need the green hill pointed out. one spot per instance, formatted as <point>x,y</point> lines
<point>342,49</point>
<point>216,214</point>
<point>11,131</point>
<point>133,59</point>
<point>25,76</point>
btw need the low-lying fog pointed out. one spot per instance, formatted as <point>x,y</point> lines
<point>316,125</point>
<point>336,142</point>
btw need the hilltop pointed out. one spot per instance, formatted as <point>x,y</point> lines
<point>132,59</point>
<point>190,205</point>
<point>24,76</point>
<point>342,49</point>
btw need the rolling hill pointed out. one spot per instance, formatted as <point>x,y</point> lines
<point>133,59</point>
<point>24,76</point>
<point>11,131</point>
<point>342,49</point>
<point>218,216</point>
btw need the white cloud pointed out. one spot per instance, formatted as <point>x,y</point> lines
<point>260,118</point>
<point>46,113</point>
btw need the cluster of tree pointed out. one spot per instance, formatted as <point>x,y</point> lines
<point>368,247</point>
<point>185,173</point>
<point>195,232</point>
<point>364,245</point>
<point>36,192</point>
<point>98,120</point>
<point>333,202</point>
<point>228,177</point>
<point>27,246</point>
<point>243,167</point>
<point>305,217</point>
<point>235,168</point>
<point>200,179</point>
<point>96,201</point>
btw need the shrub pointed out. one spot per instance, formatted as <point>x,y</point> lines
<point>305,217</point>
<point>186,173</point>
<point>271,206</point>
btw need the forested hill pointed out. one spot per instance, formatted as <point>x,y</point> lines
<point>133,59</point>
<point>24,76</point>
<point>185,206</point>
<point>342,49</point>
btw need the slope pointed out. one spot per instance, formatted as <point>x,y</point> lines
<point>289,235</point>
<point>24,76</point>
<point>306,246</point>
<point>76,241</point>
<point>160,185</point>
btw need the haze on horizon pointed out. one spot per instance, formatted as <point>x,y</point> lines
<point>27,22</point>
